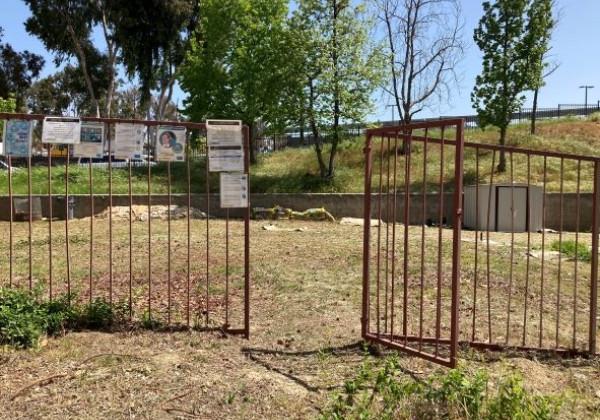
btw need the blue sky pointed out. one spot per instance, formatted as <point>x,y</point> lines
<point>575,46</point>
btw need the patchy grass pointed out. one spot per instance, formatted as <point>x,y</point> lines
<point>305,339</point>
<point>573,250</point>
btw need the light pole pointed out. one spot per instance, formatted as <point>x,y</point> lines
<point>586,87</point>
<point>393,107</point>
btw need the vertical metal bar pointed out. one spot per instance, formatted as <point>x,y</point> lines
<point>169,243</point>
<point>378,304</point>
<point>149,228</point>
<point>438,309</point>
<point>423,223</point>
<point>129,190</point>
<point>560,241</point>
<point>395,203</point>
<point>189,233</point>
<point>407,159</point>
<point>226,268</point>
<point>387,236</point>
<point>366,239</point>
<point>10,224</point>
<point>247,236</point>
<point>576,269</point>
<point>527,266</point>
<point>512,245</point>
<point>91,260</point>
<point>487,231</point>
<point>67,223</point>
<point>594,274</point>
<point>543,253</point>
<point>207,243</point>
<point>50,283</point>
<point>110,224</point>
<point>476,266</point>
<point>30,208</point>
<point>458,182</point>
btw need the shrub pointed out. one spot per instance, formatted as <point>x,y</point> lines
<point>573,250</point>
<point>457,394</point>
<point>595,117</point>
<point>22,321</point>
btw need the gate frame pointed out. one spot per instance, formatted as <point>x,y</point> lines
<point>405,132</point>
<point>245,330</point>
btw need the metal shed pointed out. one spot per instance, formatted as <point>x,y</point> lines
<point>500,198</point>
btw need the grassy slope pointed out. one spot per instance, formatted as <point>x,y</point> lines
<point>295,170</point>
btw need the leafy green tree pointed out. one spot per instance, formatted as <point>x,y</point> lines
<point>153,36</point>
<point>341,68</point>
<point>511,62</point>
<point>237,66</point>
<point>17,72</point>
<point>65,27</point>
<point>540,25</point>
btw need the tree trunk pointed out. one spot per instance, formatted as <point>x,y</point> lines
<point>315,130</point>
<point>251,145</point>
<point>534,110</point>
<point>84,69</point>
<point>502,162</point>
<point>336,95</point>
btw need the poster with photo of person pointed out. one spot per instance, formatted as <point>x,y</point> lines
<point>170,144</point>
<point>91,141</point>
<point>17,138</point>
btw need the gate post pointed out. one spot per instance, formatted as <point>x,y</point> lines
<point>366,239</point>
<point>458,187</point>
<point>594,274</point>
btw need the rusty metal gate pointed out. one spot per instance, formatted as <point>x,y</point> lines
<point>155,244</point>
<point>522,275</point>
<point>395,305</point>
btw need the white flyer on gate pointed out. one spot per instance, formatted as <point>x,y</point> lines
<point>91,144</point>
<point>61,130</point>
<point>129,141</point>
<point>234,190</point>
<point>225,146</point>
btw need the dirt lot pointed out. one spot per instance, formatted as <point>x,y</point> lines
<point>305,339</point>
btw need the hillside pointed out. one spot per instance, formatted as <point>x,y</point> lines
<point>295,170</point>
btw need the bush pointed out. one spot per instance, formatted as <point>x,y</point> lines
<point>24,319</point>
<point>388,394</point>
<point>573,250</point>
<point>595,117</point>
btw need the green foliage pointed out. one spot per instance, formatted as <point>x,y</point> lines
<point>573,250</point>
<point>338,66</point>
<point>595,117</point>
<point>24,318</point>
<point>386,393</point>
<point>7,105</point>
<point>17,71</point>
<point>237,67</point>
<point>513,36</point>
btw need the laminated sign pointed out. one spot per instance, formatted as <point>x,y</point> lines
<point>91,141</point>
<point>17,138</point>
<point>170,144</point>
<point>234,190</point>
<point>225,146</point>
<point>129,141</point>
<point>61,130</point>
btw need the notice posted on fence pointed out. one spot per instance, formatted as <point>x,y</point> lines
<point>91,144</point>
<point>234,190</point>
<point>170,144</point>
<point>225,146</point>
<point>17,138</point>
<point>129,141</point>
<point>61,130</point>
